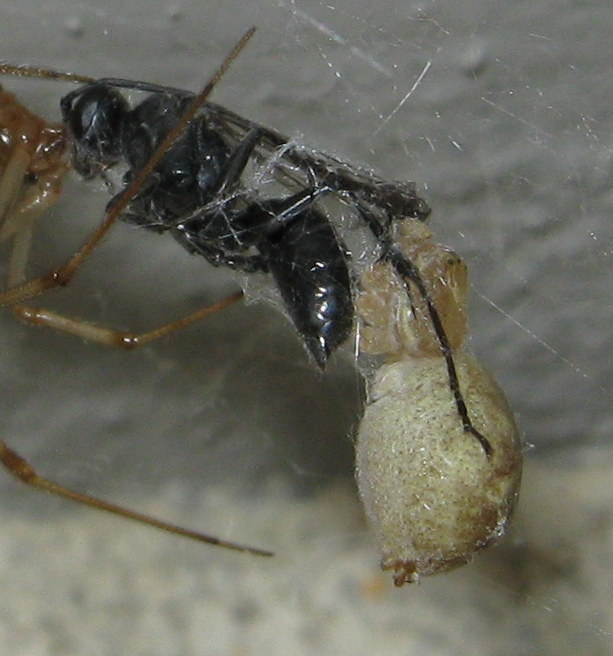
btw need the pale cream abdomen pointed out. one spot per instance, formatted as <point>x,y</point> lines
<point>432,496</point>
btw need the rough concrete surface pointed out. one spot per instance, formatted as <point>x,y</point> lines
<point>229,428</point>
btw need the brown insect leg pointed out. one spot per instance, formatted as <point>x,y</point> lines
<point>110,336</point>
<point>20,468</point>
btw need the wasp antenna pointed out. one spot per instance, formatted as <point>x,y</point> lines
<point>44,73</point>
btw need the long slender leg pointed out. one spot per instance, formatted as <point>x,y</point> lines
<point>20,468</point>
<point>110,336</point>
<point>101,334</point>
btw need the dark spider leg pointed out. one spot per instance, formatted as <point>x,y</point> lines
<point>409,273</point>
<point>242,229</point>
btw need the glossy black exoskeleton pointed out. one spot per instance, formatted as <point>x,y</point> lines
<point>199,171</point>
<point>197,193</point>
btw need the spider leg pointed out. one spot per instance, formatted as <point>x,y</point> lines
<point>22,470</point>
<point>409,273</point>
<point>110,336</point>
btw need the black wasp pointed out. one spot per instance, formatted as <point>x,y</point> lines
<point>196,193</point>
<point>183,167</point>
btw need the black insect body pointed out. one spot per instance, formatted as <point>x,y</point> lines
<point>195,193</point>
<point>296,243</point>
<point>198,171</point>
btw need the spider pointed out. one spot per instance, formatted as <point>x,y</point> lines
<point>201,173</point>
<point>432,498</point>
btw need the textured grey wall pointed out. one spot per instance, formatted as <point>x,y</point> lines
<point>229,427</point>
